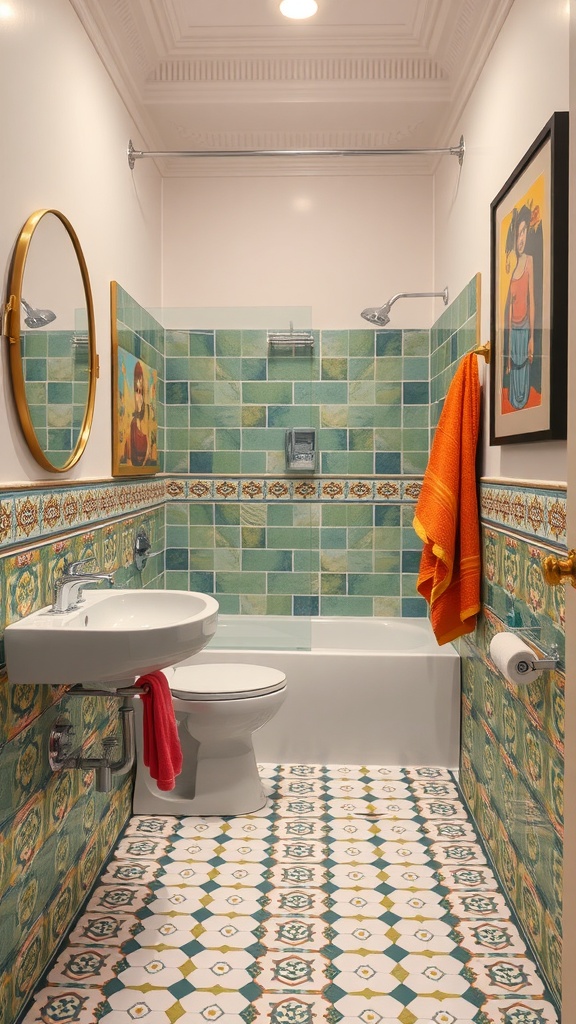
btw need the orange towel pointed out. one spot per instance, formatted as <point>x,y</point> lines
<point>446,516</point>
<point>162,753</point>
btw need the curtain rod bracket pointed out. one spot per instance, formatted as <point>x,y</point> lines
<point>139,154</point>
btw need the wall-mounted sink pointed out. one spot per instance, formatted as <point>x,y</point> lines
<point>113,636</point>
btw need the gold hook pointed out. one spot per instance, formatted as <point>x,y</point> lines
<point>484,351</point>
<point>560,570</point>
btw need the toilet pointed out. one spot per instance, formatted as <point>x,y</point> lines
<point>217,708</point>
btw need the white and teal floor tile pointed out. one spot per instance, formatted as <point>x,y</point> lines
<point>360,894</point>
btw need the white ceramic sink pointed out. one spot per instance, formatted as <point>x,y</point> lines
<point>113,636</point>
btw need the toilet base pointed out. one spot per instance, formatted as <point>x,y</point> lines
<point>224,781</point>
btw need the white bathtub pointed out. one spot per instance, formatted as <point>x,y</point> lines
<point>369,691</point>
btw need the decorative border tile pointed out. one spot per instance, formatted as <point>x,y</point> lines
<point>534,512</point>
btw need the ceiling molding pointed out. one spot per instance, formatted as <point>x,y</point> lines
<point>299,69</point>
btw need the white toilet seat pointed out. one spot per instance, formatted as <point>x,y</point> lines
<point>225,681</point>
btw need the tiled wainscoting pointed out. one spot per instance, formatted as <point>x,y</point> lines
<point>55,830</point>
<point>512,762</point>
<point>359,894</point>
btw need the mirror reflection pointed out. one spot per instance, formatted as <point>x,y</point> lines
<point>51,334</point>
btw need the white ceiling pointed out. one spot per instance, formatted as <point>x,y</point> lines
<point>236,74</point>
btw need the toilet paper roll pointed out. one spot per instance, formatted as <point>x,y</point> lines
<point>514,658</point>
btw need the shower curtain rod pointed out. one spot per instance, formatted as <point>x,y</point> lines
<point>139,154</point>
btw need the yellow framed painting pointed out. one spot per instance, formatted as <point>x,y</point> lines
<point>529,293</point>
<point>134,407</point>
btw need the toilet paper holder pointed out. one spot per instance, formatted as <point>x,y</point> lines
<point>547,663</point>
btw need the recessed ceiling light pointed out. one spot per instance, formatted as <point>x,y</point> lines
<point>298,9</point>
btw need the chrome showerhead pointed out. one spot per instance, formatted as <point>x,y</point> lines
<point>379,314</point>
<point>37,317</point>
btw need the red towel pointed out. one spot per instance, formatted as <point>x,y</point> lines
<point>447,511</point>
<point>162,750</point>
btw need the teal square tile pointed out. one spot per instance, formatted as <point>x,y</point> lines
<point>254,343</point>
<point>389,368</point>
<point>201,343</point>
<point>362,343</point>
<point>361,369</point>
<point>416,343</point>
<point>334,369</point>
<point>228,343</point>
<point>228,368</point>
<point>334,343</point>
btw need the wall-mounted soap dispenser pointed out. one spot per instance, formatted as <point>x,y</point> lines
<point>301,450</point>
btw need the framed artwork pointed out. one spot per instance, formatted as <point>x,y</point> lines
<point>529,294</point>
<point>134,408</point>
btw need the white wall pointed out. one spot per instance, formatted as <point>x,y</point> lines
<point>65,132</point>
<point>337,244</point>
<point>523,82</point>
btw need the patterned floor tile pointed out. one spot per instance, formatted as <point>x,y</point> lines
<point>149,825</point>
<point>425,974</point>
<point>456,1010</point>
<point>393,774</point>
<point>299,851</point>
<point>298,933</point>
<point>448,831</point>
<point>132,871</point>
<point>490,937</point>
<point>426,772</point>
<point>359,903</point>
<point>419,936</point>
<point>520,1011</point>
<point>301,875</point>
<point>141,848</point>
<point>368,936</point>
<point>403,853</point>
<point>118,896</point>
<point>373,807</point>
<point>232,901</point>
<point>470,878</point>
<point>268,771</point>
<point>358,972</point>
<point>84,965</point>
<point>440,810</point>
<point>94,929</point>
<point>347,876</point>
<point>434,790</point>
<point>295,788</point>
<point>187,872</point>
<point>414,878</point>
<point>235,873</point>
<point>301,828</point>
<point>506,975</point>
<point>65,1005</point>
<point>203,828</point>
<point>193,849</point>
<point>153,968</point>
<point>287,902</point>
<point>175,899</point>
<point>457,853</point>
<point>485,905</point>
<point>358,894</point>
<point>292,972</point>
<point>223,1007</point>
<point>422,905</point>
<point>363,852</point>
<point>221,932</point>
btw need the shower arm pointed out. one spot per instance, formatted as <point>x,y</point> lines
<point>417,295</point>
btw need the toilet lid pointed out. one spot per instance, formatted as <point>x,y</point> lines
<point>224,681</point>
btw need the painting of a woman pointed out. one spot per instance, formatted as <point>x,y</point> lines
<point>138,443</point>
<point>525,238</point>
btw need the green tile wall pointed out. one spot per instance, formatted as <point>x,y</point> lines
<point>512,761</point>
<point>55,830</point>
<point>229,399</point>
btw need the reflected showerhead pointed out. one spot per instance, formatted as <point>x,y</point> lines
<point>37,317</point>
<point>379,314</point>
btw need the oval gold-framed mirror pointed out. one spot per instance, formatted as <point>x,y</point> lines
<point>49,322</point>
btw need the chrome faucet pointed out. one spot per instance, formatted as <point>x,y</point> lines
<point>68,587</point>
